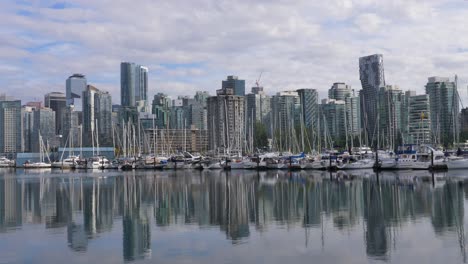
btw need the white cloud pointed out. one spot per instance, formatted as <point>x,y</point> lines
<point>308,44</point>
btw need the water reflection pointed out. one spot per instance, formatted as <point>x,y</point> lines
<point>238,203</point>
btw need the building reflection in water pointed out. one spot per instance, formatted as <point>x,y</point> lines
<point>237,202</point>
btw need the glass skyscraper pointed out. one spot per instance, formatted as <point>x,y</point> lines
<point>371,74</point>
<point>134,86</point>
<point>75,86</point>
<point>233,82</point>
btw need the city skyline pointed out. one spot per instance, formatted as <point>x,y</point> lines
<point>292,48</point>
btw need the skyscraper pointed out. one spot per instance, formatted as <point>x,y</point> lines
<point>161,110</point>
<point>134,86</point>
<point>285,115</point>
<point>234,83</point>
<point>309,107</point>
<point>43,124</point>
<point>57,102</point>
<point>391,108</point>
<point>444,104</point>
<point>226,120</point>
<point>97,117</point>
<point>10,126</point>
<point>75,86</point>
<point>419,119</point>
<point>371,74</point>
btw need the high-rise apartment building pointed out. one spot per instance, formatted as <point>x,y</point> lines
<point>57,102</point>
<point>43,125</point>
<point>391,108</point>
<point>10,126</point>
<point>419,122</point>
<point>97,117</point>
<point>285,117</point>
<point>75,86</point>
<point>371,74</point>
<point>234,83</point>
<point>226,114</point>
<point>134,86</point>
<point>161,109</point>
<point>333,123</point>
<point>445,108</point>
<point>309,107</point>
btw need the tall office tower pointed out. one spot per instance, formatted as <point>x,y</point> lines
<point>309,107</point>
<point>391,103</point>
<point>56,101</point>
<point>444,103</point>
<point>44,125</point>
<point>285,117</point>
<point>10,126</point>
<point>97,117</point>
<point>27,120</point>
<point>234,83</point>
<point>71,127</point>
<point>75,86</point>
<point>161,109</point>
<point>371,74</point>
<point>226,121</point>
<point>419,119</point>
<point>464,123</point>
<point>134,86</point>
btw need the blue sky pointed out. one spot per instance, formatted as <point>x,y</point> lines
<point>193,45</point>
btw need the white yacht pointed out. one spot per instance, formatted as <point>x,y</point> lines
<point>5,163</point>
<point>456,162</point>
<point>68,163</point>
<point>97,163</point>
<point>410,157</point>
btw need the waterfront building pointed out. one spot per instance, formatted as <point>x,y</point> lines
<point>285,117</point>
<point>333,123</point>
<point>167,141</point>
<point>134,86</point>
<point>444,103</point>
<point>226,112</point>
<point>10,126</point>
<point>71,127</point>
<point>161,109</point>
<point>57,102</point>
<point>258,106</point>
<point>309,107</point>
<point>234,83</point>
<point>75,86</point>
<point>371,74</point>
<point>97,109</point>
<point>391,104</point>
<point>419,119</point>
<point>43,124</point>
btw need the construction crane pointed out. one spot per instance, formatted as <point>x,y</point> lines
<point>257,82</point>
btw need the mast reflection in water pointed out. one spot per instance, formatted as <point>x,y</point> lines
<point>241,216</point>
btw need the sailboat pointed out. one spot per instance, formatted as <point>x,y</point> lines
<point>5,163</point>
<point>42,154</point>
<point>68,163</point>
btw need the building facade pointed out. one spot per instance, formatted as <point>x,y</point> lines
<point>285,117</point>
<point>444,104</point>
<point>75,86</point>
<point>10,126</point>
<point>97,117</point>
<point>226,112</point>
<point>57,102</point>
<point>43,127</point>
<point>134,86</point>
<point>419,122</point>
<point>391,112</point>
<point>371,74</point>
<point>309,107</point>
<point>234,83</point>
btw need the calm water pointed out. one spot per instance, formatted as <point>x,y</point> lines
<point>232,217</point>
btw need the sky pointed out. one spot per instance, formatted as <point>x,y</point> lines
<point>193,45</point>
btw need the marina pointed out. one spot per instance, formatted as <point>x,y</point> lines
<point>241,216</point>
